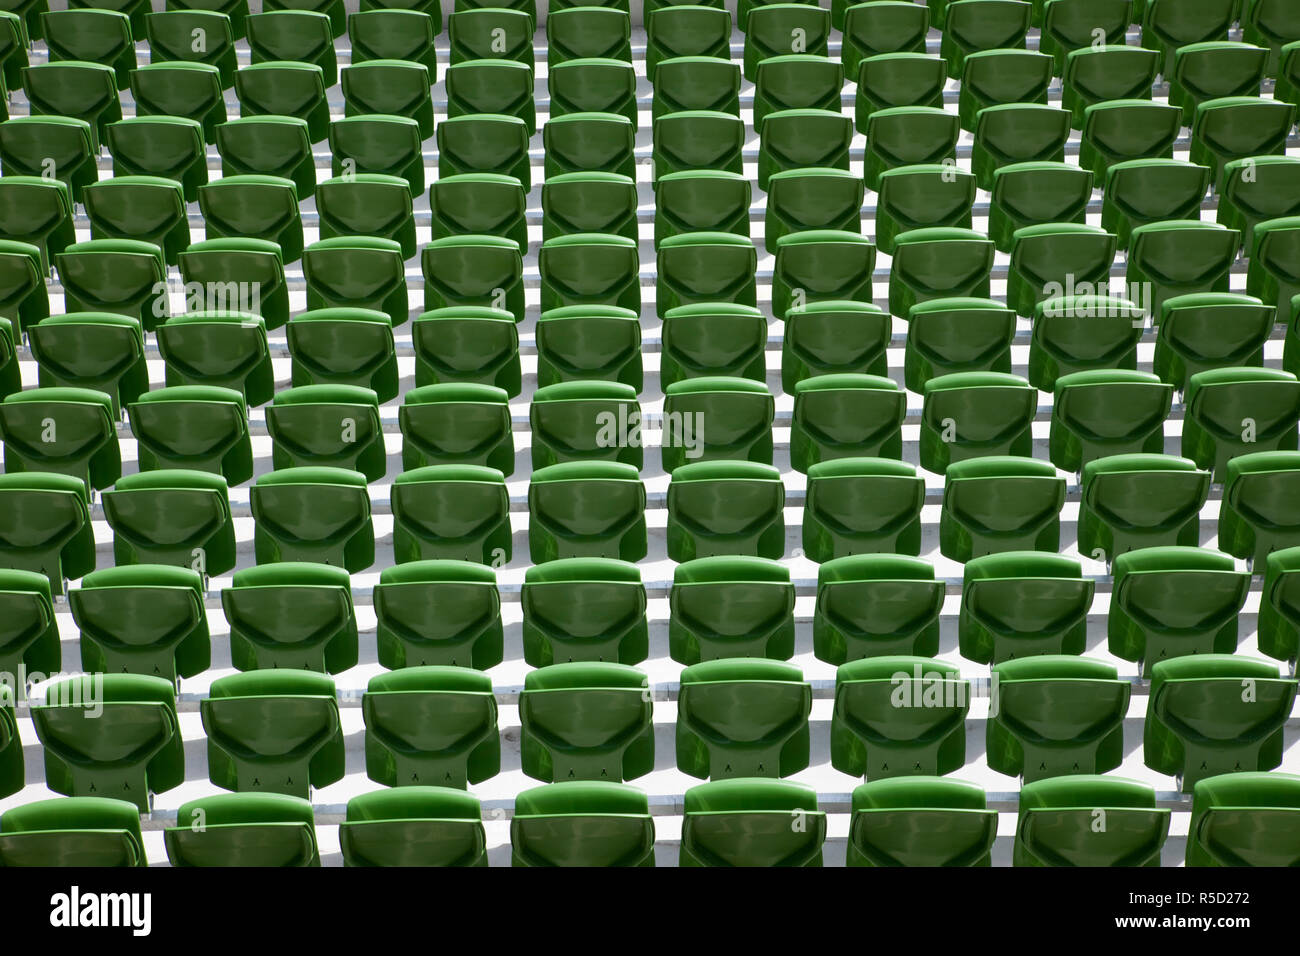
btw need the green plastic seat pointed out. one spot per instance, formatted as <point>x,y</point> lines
<point>1106,413</point>
<point>489,33</point>
<point>1056,716</point>
<point>1273,276</point>
<point>821,266</point>
<point>1209,331</point>
<point>1180,258</point>
<point>378,143</point>
<point>1142,191</point>
<point>996,77</point>
<point>584,343</point>
<point>593,85</point>
<point>698,140</point>
<point>890,80</point>
<point>1243,819</point>
<point>490,143</point>
<point>172,516</point>
<point>414,826</point>
<point>713,339</point>
<point>395,34</point>
<point>142,619</point>
<point>1257,516</point>
<point>456,512</point>
<point>686,30</point>
<point>170,147</point>
<point>1257,189</point>
<point>582,823</point>
<point>1168,25</point>
<point>243,829</point>
<point>1069,25</point>
<point>590,269</point>
<point>96,350</point>
<point>862,506</point>
<point>1096,74</point>
<point>29,640</point>
<point>1173,601</point>
<point>1019,604</point>
<point>226,349</point>
<point>344,346</point>
<point>583,31</point>
<point>954,335</point>
<point>61,546</point>
<point>431,725</point>
<point>10,368</point>
<point>846,416</point>
<point>697,200</point>
<point>454,424</point>
<point>975,414</point>
<point>899,716</point>
<point>1092,821</point>
<point>333,425</point>
<point>746,7</point>
<point>478,204</point>
<point>478,271</point>
<point>1215,713</point>
<point>1208,71</point>
<point>496,86</point>
<point>589,142</point>
<point>23,297</point>
<point>1287,87</point>
<point>181,89</point>
<point>584,609</point>
<point>698,268</point>
<point>468,345</point>
<point>799,139</point>
<point>12,773</point>
<point>717,418</point>
<point>1239,127</point>
<point>143,208</point>
<point>1032,194</point>
<point>831,337</point>
<point>313,513</point>
<point>195,36</point>
<point>982,25</point>
<point>392,87</point>
<point>111,734</point>
<point>1235,411</point>
<point>729,607</point>
<point>254,207</point>
<point>37,211</point>
<point>334,9</point>
<point>273,731</point>
<point>1013,133</point>
<point>438,612</point>
<point>1116,131</point>
<point>572,203</point>
<point>1050,257</point>
<point>13,48</point>
<point>367,204</point>
<point>1279,624</point>
<point>809,199</point>
<point>725,508</point>
<point>777,29</point>
<point>752,822</point>
<point>303,36</point>
<point>237,274</point>
<point>75,89</point>
<point>586,721</point>
<point>795,81</point>
<point>1000,503</point>
<point>1270,24</point>
<point>586,420</point>
<point>919,197</point>
<point>938,263</point>
<point>196,427</point>
<point>127,276</point>
<point>683,83</point>
<point>291,614</point>
<point>357,272</point>
<point>73,832</point>
<point>96,36</point>
<point>1291,348</point>
<point>279,88</point>
<point>886,26</point>
<point>26,142</point>
<point>586,509</point>
<point>277,146</point>
<point>68,431</point>
<point>920,821</point>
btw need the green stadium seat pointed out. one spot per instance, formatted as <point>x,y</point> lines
<point>975,414</point>
<point>142,619</point>
<point>62,545</point>
<point>954,335</point>
<point>1243,819</point>
<point>1061,823</point>
<point>1000,503</point>
<point>1106,413</point>
<point>457,512</point>
<point>1257,516</point>
<point>468,345</point>
<point>1274,247</point>
<point>356,272</point>
<point>99,36</point>
<point>377,143</point>
<point>393,87</point>
<point>1020,604</point>
<point>580,421</point>
<point>747,822</point>
<point>67,431</point>
<point>23,296</point>
<point>590,270</point>
<point>713,339</point>
<point>695,140</point>
<point>303,36</point>
<point>479,271</point>
<point>1083,333</point>
<point>27,142</point>
<point>1096,74</point>
<point>776,29</point>
<point>587,202</point>
<point>583,31</point>
<point>920,197</point>
<point>798,139</point>
<point>141,208</point>
<point>1256,189</point>
<point>13,48</point>
<point>582,823</point>
<point>254,207</point>
<point>438,612</point>
<point>589,142</point>
<point>1210,330</point>
<point>491,86</point>
<point>982,25</point>
<point>75,89</point>
<point>593,85</point>
<point>273,731</point>
<point>413,826</point>
<point>891,80</point>
<point>717,418</point>
<point>316,514</point>
<point>488,33</point>
<point>687,30</point>
<point>395,34</point>
<point>1013,133</point>
<point>586,721</point>
<point>1141,191</point>
<point>1279,624</point>
<point>795,81</point>
<point>1234,411</point>
<point>899,716</point>
<point>729,607</point>
<point>725,508</point>
<point>824,338</point>
<point>10,367</point>
<point>920,821</point>
<point>243,829</point>
<point>455,424</point>
<point>889,26</point>
<point>181,89</point>
<point>589,343</point>
<point>1208,71</point>
<point>1050,257</point>
<point>875,605</point>
<point>29,639</point>
<point>586,509</point>
<point>822,266</point>
<point>368,204</point>
<point>1117,131</point>
<point>1180,258</point>
<point>172,516</point>
<point>193,36</point>
<point>334,9</point>
<point>698,268</point>
<point>333,425</point>
<point>1069,25</point>
<point>804,199</point>
<point>280,88</point>
<point>97,350</point>
<point>1239,127</point>
<point>938,263</point>
<point>996,77</point>
<point>37,211</point>
<point>845,416</point>
<point>1030,194</point>
<point>1272,24</point>
<point>344,346</point>
<point>1287,87</point>
<point>291,614</point>
<point>146,146</point>
<point>489,143</point>
<point>226,349</point>
<point>277,146</point>
<point>584,609</point>
<point>1169,25</point>
<point>862,506</point>
<point>72,831</point>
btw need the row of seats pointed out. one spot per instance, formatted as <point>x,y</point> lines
<point>278,730</point>
<point>1237,819</point>
<point>150,619</point>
